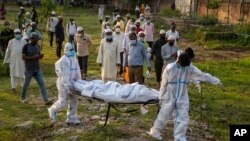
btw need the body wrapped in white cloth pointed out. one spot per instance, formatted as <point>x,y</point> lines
<point>114,92</point>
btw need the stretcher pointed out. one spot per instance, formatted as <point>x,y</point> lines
<point>112,104</point>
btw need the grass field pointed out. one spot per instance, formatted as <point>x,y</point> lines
<point>220,108</point>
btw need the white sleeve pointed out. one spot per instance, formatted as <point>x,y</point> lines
<point>8,53</point>
<point>164,82</point>
<point>63,71</point>
<point>198,75</point>
<point>100,54</point>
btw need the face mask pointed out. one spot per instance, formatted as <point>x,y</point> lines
<point>108,27</point>
<point>171,43</point>
<point>133,42</point>
<point>148,21</point>
<point>141,18</point>
<point>118,30</point>
<point>18,36</point>
<point>72,53</point>
<point>109,37</point>
<point>141,39</point>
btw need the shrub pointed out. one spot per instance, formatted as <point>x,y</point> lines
<point>208,20</point>
<point>242,28</point>
<point>167,12</point>
<point>226,36</point>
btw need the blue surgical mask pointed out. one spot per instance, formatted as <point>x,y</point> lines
<point>109,37</point>
<point>18,36</point>
<point>133,42</point>
<point>72,53</point>
<point>141,18</point>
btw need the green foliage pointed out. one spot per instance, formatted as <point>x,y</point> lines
<point>242,28</point>
<point>214,4</point>
<point>167,12</point>
<point>46,8</point>
<point>226,36</point>
<point>208,20</point>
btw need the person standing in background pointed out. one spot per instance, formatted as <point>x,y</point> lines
<point>20,18</point>
<point>59,36</point>
<point>148,28</point>
<point>156,51</point>
<point>34,15</point>
<point>119,36</point>
<point>71,30</point>
<point>174,33</point>
<point>100,13</point>
<point>51,25</point>
<point>83,42</point>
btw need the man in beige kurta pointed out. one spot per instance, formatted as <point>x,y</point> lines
<point>13,58</point>
<point>108,57</point>
<point>83,42</point>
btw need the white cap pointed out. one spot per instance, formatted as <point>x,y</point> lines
<point>162,32</point>
<point>118,16</point>
<point>67,47</point>
<point>21,7</point>
<point>27,13</point>
<point>108,30</point>
<point>171,38</point>
<point>141,32</point>
<point>17,31</point>
<point>141,15</point>
<point>53,13</point>
<point>79,29</point>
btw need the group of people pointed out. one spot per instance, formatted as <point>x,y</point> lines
<point>125,50</point>
<point>130,45</point>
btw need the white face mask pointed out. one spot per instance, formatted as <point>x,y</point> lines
<point>141,39</point>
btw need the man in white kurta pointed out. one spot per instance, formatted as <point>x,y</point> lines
<point>119,36</point>
<point>13,57</point>
<point>108,57</point>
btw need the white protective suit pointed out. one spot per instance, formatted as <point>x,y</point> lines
<point>68,71</point>
<point>109,57</point>
<point>13,56</point>
<point>174,96</point>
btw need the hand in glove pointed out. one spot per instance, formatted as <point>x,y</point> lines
<point>220,85</point>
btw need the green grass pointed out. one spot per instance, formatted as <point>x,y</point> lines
<point>231,106</point>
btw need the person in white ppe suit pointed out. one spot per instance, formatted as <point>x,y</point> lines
<point>174,97</point>
<point>13,59</point>
<point>68,71</point>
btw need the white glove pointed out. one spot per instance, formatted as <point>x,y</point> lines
<point>220,85</point>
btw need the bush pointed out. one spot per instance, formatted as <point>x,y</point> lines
<point>242,28</point>
<point>208,20</point>
<point>226,36</point>
<point>167,12</point>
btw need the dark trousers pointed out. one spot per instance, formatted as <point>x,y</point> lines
<point>121,66</point>
<point>51,38</point>
<point>100,21</point>
<point>135,74</point>
<point>58,48</point>
<point>158,70</point>
<point>83,64</point>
